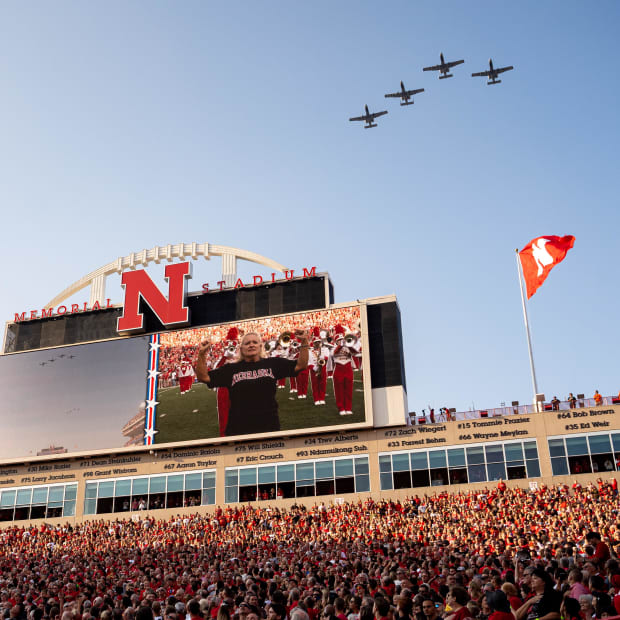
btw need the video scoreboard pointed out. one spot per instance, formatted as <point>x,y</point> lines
<point>75,383</point>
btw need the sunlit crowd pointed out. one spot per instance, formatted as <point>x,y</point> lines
<point>492,554</point>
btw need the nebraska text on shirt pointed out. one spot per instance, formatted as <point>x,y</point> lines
<point>245,375</point>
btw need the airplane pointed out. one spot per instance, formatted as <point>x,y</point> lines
<point>492,73</point>
<point>368,117</point>
<point>444,67</point>
<point>42,363</point>
<point>405,95</point>
<point>71,356</point>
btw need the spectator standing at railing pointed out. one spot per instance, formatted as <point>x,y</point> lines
<point>555,404</point>
<point>598,399</point>
<point>572,401</point>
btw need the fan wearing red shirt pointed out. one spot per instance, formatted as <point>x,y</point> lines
<point>457,598</point>
<point>340,608</point>
<point>601,552</point>
<point>499,605</point>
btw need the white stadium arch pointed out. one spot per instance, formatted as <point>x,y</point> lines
<point>182,251</point>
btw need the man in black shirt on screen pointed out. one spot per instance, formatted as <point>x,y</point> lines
<point>251,382</point>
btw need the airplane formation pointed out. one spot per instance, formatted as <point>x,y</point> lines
<point>444,72</point>
<point>53,359</point>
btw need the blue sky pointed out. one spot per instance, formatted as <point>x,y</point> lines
<point>131,124</point>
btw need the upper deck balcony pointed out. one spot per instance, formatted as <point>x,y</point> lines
<point>449,415</point>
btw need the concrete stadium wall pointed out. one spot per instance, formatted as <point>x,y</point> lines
<point>461,433</point>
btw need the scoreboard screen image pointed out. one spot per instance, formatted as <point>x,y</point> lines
<point>118,395</point>
<point>330,392</point>
<point>72,399</point>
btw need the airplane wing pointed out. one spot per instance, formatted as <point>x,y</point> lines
<point>395,94</point>
<point>433,68</point>
<point>454,63</point>
<point>481,74</point>
<point>375,114</point>
<point>504,69</point>
<point>358,118</point>
<point>414,92</point>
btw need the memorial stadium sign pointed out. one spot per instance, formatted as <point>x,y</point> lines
<point>171,311</point>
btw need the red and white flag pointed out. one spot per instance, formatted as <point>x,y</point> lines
<point>540,256</point>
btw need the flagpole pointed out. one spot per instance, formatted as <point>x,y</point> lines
<point>527,329</point>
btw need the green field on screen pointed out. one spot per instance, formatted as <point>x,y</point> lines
<point>193,415</point>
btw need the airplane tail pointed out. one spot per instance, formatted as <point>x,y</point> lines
<point>494,82</point>
<point>406,103</point>
<point>370,125</point>
<point>447,75</point>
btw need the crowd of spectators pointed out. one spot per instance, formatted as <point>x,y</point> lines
<point>493,554</point>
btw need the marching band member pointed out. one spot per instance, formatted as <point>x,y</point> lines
<point>326,339</point>
<point>291,349</point>
<point>319,356</point>
<point>186,375</point>
<point>222,395</point>
<point>343,374</point>
<point>274,349</point>
<point>302,378</point>
<point>354,342</point>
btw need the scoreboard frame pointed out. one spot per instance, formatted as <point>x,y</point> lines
<point>304,294</point>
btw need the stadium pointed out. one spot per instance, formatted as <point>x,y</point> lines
<point>120,468</point>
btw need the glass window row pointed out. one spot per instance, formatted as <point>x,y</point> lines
<point>477,463</point>
<point>195,488</point>
<point>300,479</point>
<point>39,502</point>
<point>571,454</point>
<point>584,454</point>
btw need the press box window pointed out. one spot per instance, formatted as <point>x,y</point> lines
<point>477,463</point>
<point>301,479</point>
<point>39,502</point>
<point>150,492</point>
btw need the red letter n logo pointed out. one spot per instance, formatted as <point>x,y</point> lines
<point>172,312</point>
